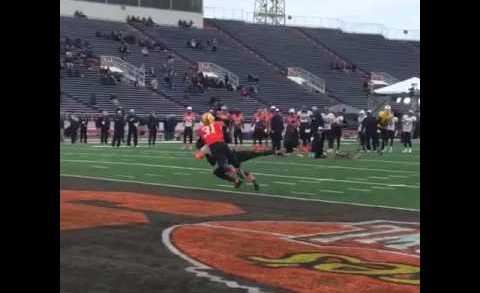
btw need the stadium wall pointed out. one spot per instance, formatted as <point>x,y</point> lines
<point>120,12</point>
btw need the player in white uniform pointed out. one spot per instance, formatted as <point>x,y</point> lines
<point>337,128</point>
<point>391,129</point>
<point>361,135</point>
<point>328,120</point>
<point>408,121</point>
<point>305,119</point>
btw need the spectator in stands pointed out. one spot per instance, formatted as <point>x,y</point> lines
<point>154,84</point>
<point>190,24</point>
<point>79,14</point>
<point>243,91</point>
<point>192,44</point>
<point>145,52</point>
<point>214,45</point>
<point>252,78</point>
<point>150,22</point>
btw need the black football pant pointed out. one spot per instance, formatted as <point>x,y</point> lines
<point>132,132</point>
<point>188,133</point>
<point>407,139</point>
<point>152,136</point>
<point>104,135</point>
<point>238,135</point>
<point>83,134</point>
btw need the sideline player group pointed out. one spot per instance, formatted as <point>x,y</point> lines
<point>214,136</point>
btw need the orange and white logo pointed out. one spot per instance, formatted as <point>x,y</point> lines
<point>304,257</point>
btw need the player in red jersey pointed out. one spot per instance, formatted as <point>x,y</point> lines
<point>211,134</point>
<point>189,124</point>
<point>290,139</point>
<point>259,125</point>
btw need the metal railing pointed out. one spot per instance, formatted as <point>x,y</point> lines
<point>234,80</point>
<point>311,79</point>
<point>318,22</point>
<point>130,71</point>
<point>383,76</point>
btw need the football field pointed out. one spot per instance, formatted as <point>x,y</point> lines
<point>391,180</point>
<point>154,219</point>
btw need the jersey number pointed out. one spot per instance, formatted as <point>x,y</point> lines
<point>208,130</point>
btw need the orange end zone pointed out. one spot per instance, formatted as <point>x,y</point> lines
<point>77,213</point>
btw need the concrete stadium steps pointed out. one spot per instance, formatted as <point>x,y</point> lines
<point>71,105</point>
<point>85,29</point>
<point>142,100</point>
<point>284,46</point>
<point>371,52</point>
<point>274,88</point>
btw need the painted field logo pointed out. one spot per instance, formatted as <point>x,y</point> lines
<point>332,263</point>
<point>306,257</point>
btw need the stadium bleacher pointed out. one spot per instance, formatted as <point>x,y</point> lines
<point>274,49</point>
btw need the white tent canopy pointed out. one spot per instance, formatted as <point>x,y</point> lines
<point>399,88</point>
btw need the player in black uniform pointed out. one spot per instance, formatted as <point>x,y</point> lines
<point>152,125</point>
<point>83,128</point>
<point>133,123</point>
<point>118,129</point>
<point>74,124</point>
<point>104,124</point>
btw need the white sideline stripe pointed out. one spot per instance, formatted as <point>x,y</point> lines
<point>381,187</point>
<point>257,173</point>
<point>360,179</point>
<point>334,167</point>
<point>223,185</point>
<point>302,193</point>
<point>291,238</point>
<point>199,269</point>
<point>377,177</point>
<point>183,174</point>
<point>358,189</point>
<point>285,183</point>
<point>242,192</point>
<point>130,155</point>
<point>153,175</point>
<point>99,167</point>
<point>391,162</point>
<point>331,191</point>
<point>398,176</point>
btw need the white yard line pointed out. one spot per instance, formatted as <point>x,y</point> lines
<point>377,177</point>
<point>391,162</point>
<point>240,192</point>
<point>331,191</point>
<point>99,167</point>
<point>284,183</point>
<point>132,155</point>
<point>381,187</point>
<point>359,189</point>
<point>223,185</point>
<point>182,174</point>
<point>257,173</point>
<point>302,193</point>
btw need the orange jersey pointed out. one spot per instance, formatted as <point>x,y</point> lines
<point>292,120</point>
<point>212,133</point>
<point>189,119</point>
